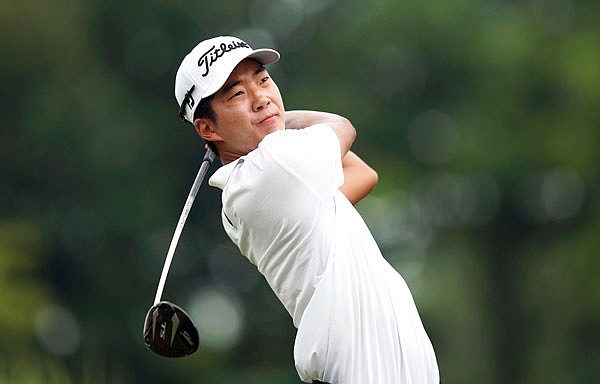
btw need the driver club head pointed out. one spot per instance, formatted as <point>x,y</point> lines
<point>169,331</point>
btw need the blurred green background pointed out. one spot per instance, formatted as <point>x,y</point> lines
<point>481,117</point>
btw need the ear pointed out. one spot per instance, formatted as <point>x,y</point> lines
<point>205,128</point>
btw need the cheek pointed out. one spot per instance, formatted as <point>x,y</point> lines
<point>234,127</point>
<point>230,118</point>
<point>276,96</point>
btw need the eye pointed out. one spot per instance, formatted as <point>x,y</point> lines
<point>264,79</point>
<point>236,94</point>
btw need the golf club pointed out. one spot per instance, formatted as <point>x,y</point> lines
<point>168,330</point>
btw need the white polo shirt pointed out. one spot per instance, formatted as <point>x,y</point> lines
<point>356,319</point>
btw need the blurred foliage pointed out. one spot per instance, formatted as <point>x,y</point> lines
<point>480,116</point>
<point>19,247</point>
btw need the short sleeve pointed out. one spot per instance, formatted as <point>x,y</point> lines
<point>311,154</point>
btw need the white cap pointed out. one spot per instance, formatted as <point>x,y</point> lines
<point>206,68</point>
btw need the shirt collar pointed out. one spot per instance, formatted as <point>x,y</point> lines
<point>221,176</point>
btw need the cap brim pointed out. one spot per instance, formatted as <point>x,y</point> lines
<point>265,56</point>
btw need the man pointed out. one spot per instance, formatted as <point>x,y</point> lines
<point>288,184</point>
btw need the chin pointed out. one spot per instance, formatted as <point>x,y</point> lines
<point>274,128</point>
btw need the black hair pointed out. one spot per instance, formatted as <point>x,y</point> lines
<point>204,109</point>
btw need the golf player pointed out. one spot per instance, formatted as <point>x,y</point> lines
<point>289,181</point>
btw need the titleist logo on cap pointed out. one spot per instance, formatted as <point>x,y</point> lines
<point>212,55</point>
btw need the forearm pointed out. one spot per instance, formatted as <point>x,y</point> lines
<point>299,119</point>
<point>359,178</point>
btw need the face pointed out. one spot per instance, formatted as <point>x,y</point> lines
<point>247,108</point>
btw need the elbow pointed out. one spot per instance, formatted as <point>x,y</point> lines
<point>373,178</point>
<point>370,178</point>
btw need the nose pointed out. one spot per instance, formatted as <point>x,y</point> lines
<point>261,100</point>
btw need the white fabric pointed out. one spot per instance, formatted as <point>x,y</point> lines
<point>356,319</point>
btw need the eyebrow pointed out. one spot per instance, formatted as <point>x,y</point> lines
<point>227,87</point>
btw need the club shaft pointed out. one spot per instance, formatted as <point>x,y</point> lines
<point>206,162</point>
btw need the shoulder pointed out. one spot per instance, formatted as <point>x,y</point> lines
<point>316,139</point>
<point>310,156</point>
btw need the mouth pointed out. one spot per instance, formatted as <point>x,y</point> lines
<point>268,119</point>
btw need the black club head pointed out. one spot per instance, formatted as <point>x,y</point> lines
<point>169,331</point>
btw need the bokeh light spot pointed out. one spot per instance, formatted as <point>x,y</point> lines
<point>550,196</point>
<point>219,317</point>
<point>57,330</point>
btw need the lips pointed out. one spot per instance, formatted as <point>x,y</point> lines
<point>267,119</point>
